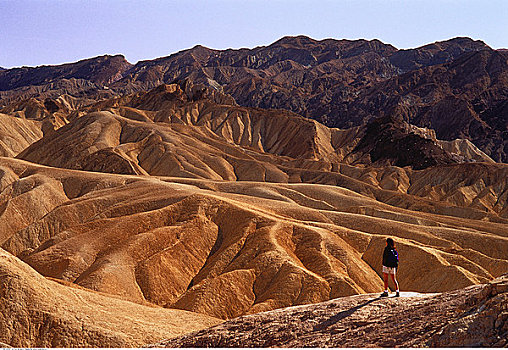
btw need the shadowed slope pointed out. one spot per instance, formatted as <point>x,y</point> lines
<point>465,98</point>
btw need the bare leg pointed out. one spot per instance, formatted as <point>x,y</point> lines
<point>394,282</point>
<point>385,278</point>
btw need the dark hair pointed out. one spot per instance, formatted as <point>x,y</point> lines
<point>390,242</point>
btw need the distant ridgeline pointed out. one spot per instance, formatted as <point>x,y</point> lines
<point>456,87</point>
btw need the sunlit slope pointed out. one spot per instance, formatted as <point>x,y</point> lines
<point>196,132</point>
<point>232,248</point>
<point>38,312</point>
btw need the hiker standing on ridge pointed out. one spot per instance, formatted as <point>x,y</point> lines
<point>390,264</point>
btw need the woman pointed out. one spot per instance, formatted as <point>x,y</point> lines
<point>390,264</point>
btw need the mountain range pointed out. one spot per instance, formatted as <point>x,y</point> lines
<point>456,87</point>
<point>230,191</point>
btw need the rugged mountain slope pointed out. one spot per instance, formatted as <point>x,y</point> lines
<point>182,132</point>
<point>339,82</point>
<point>295,73</point>
<point>40,312</point>
<point>472,317</point>
<point>288,66</point>
<point>84,77</point>
<point>100,70</point>
<point>326,60</point>
<point>436,53</point>
<point>342,83</point>
<point>465,98</point>
<point>318,79</point>
<point>231,248</point>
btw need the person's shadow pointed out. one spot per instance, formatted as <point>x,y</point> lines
<point>341,315</point>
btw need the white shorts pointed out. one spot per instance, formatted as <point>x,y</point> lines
<point>389,270</point>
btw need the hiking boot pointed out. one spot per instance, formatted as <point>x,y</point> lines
<point>397,294</point>
<point>385,294</point>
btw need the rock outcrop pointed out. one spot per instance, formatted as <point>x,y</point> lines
<point>473,317</point>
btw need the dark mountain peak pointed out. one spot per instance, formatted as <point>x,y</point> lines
<point>462,41</point>
<point>436,53</point>
<point>105,58</point>
<point>100,70</point>
<point>199,49</point>
<point>298,41</point>
<point>309,52</point>
<point>305,41</point>
<point>187,56</point>
<point>329,44</point>
<point>101,59</point>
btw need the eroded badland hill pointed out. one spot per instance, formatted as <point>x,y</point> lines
<point>253,190</point>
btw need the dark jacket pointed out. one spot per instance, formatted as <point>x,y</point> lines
<point>390,257</point>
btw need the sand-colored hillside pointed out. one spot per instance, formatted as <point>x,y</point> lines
<point>38,312</point>
<point>231,248</point>
<point>130,215</point>
<point>16,134</point>
<point>191,130</point>
<point>181,130</point>
<point>166,132</point>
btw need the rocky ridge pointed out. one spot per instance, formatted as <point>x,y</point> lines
<point>473,317</point>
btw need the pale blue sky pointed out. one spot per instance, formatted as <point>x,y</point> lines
<point>36,32</point>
